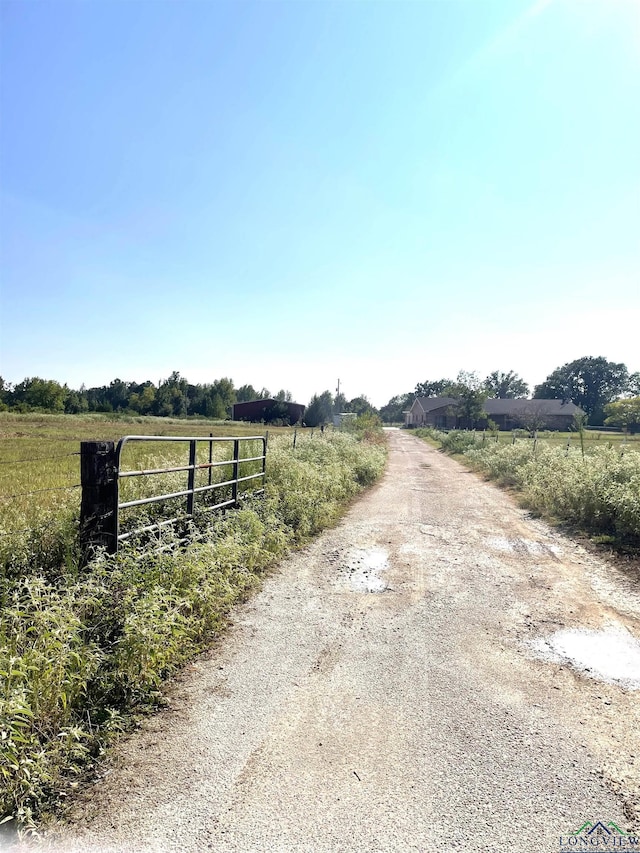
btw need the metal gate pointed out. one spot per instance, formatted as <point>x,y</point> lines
<point>103,475</point>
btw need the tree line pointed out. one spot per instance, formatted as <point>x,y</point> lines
<point>606,391</point>
<point>172,397</point>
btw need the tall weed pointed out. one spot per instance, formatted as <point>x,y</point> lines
<point>599,492</point>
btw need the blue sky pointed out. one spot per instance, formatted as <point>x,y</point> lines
<point>290,192</point>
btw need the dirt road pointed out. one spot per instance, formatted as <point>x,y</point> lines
<point>382,694</point>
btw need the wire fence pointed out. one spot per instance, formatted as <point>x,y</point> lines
<point>42,492</point>
<point>33,459</point>
<point>18,471</point>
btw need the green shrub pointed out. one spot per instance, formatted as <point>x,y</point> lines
<point>430,433</point>
<point>458,441</point>
<point>600,492</point>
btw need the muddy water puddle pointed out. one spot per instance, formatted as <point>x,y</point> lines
<point>611,654</point>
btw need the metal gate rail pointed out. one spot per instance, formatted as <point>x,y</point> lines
<point>191,489</point>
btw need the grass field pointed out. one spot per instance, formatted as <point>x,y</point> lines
<point>40,474</point>
<point>42,451</point>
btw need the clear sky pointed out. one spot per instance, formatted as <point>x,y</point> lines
<point>286,193</point>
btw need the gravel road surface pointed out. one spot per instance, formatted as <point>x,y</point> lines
<point>382,693</point>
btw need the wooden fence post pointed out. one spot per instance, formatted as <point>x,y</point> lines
<point>98,508</point>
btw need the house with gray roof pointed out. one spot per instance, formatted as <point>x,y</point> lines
<point>533,414</point>
<point>441,413</point>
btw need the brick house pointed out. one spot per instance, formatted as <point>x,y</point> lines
<point>440,412</point>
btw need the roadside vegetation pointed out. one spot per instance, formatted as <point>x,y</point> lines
<point>591,483</point>
<point>83,650</point>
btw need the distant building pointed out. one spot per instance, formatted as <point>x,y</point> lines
<point>267,411</point>
<point>338,420</point>
<point>533,414</point>
<point>441,413</point>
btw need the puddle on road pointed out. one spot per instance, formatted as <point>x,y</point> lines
<point>611,655</point>
<point>365,566</point>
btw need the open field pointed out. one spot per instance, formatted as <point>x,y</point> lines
<point>40,475</point>
<point>40,461</point>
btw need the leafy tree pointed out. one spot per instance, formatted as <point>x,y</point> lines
<point>75,403</point>
<point>36,393</point>
<point>506,385</point>
<point>147,399</point>
<point>624,414</point>
<point>118,395</point>
<point>277,413</point>
<point>433,389</point>
<point>360,405</point>
<point>367,425</point>
<point>97,399</point>
<point>633,385</point>
<point>215,407</point>
<point>224,389</point>
<point>5,394</point>
<point>340,403</point>
<point>320,410</point>
<point>392,412</point>
<point>171,397</point>
<point>246,393</point>
<point>589,382</point>
<point>284,396</point>
<point>470,392</point>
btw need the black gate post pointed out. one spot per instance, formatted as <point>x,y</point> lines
<point>98,508</point>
